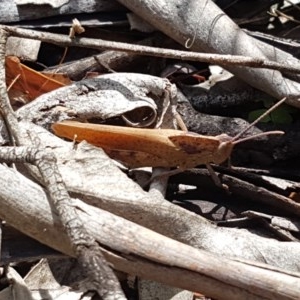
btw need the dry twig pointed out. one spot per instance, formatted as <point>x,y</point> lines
<point>222,59</point>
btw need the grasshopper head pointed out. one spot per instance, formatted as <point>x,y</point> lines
<point>224,149</point>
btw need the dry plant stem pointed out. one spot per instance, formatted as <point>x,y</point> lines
<point>101,277</point>
<point>233,60</point>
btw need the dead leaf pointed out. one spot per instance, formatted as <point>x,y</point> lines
<point>28,82</point>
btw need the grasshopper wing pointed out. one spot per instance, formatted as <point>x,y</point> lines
<point>136,159</point>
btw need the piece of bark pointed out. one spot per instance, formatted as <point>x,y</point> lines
<point>104,97</point>
<point>180,20</point>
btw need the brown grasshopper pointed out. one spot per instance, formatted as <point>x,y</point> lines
<point>137,147</point>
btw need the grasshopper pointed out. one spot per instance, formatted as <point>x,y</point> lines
<point>142,147</point>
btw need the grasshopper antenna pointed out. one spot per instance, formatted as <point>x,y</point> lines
<point>236,139</point>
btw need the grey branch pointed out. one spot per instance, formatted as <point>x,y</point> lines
<point>101,277</point>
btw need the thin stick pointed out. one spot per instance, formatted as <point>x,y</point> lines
<point>259,119</point>
<point>234,60</point>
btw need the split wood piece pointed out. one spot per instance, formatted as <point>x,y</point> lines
<point>285,44</point>
<point>102,279</point>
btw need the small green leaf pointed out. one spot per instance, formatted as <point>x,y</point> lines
<point>279,116</point>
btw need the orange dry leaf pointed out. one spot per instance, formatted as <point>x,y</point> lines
<point>28,82</point>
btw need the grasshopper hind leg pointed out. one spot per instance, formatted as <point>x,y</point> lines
<point>216,179</point>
